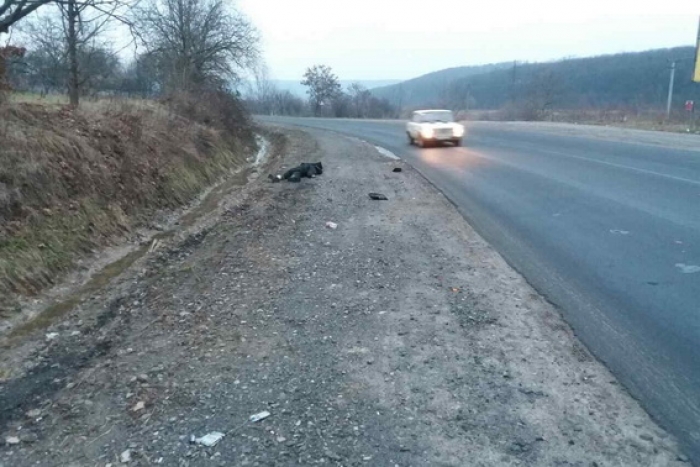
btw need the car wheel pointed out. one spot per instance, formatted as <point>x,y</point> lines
<point>457,142</point>
<point>411,141</point>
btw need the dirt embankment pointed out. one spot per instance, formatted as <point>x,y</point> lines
<point>73,181</point>
<point>397,338</point>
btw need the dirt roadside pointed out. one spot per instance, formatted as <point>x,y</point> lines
<point>399,338</point>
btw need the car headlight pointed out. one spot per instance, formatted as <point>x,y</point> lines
<point>427,133</point>
<point>458,131</point>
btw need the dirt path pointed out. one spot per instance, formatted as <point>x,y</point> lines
<point>398,339</point>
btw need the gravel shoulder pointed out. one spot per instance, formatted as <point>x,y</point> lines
<point>398,339</point>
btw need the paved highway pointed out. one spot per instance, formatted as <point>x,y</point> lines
<point>609,231</point>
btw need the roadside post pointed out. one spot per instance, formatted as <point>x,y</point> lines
<point>690,109</point>
<point>696,70</point>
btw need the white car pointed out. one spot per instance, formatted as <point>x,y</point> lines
<point>434,127</point>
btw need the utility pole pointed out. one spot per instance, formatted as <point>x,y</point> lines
<point>513,79</point>
<point>670,90</point>
<point>696,69</point>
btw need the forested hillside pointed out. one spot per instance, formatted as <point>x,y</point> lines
<point>627,80</point>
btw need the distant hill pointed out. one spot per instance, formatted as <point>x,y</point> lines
<point>427,88</point>
<point>296,88</point>
<point>637,79</point>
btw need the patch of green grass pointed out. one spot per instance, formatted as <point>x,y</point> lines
<point>98,281</point>
<point>33,98</point>
<point>48,245</point>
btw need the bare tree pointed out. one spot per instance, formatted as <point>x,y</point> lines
<point>197,42</point>
<point>141,76</point>
<point>323,86</point>
<point>83,22</point>
<point>101,70</point>
<point>12,11</point>
<point>541,95</point>
<point>286,103</point>
<point>46,61</point>
<point>360,98</point>
<point>340,106</point>
<point>457,95</point>
<point>67,45</point>
<point>7,54</point>
<point>264,90</point>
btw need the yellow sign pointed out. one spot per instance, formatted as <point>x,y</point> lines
<point>696,73</point>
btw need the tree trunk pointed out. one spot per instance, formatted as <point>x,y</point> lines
<point>72,42</point>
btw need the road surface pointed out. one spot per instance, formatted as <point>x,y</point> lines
<point>609,231</point>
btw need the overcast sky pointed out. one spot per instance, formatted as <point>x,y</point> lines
<point>399,39</point>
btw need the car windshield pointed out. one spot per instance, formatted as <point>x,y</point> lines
<point>437,116</point>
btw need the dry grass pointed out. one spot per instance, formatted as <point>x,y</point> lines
<point>33,98</point>
<point>74,180</point>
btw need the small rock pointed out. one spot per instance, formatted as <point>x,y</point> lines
<point>51,336</point>
<point>11,440</point>
<point>140,405</point>
<point>34,413</point>
<point>646,437</point>
<point>259,416</point>
<point>125,457</point>
<point>29,438</point>
<point>331,225</point>
<point>683,458</point>
<point>143,377</point>
<point>210,440</point>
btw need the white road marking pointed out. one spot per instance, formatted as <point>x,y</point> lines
<point>619,232</point>
<point>387,153</point>
<point>622,166</point>
<point>688,268</point>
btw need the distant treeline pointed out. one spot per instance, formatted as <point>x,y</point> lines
<point>635,81</point>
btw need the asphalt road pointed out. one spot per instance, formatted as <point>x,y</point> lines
<point>609,231</point>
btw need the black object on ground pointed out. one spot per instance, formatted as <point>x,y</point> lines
<point>305,170</point>
<point>294,175</point>
<point>378,196</point>
<point>397,169</point>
